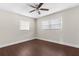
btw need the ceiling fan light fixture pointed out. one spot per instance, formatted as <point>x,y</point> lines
<point>37,7</point>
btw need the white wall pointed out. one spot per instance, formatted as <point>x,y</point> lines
<point>69,35</point>
<point>9,29</point>
<point>71,27</point>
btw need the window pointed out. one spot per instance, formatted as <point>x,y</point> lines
<point>52,24</point>
<point>45,24</point>
<point>24,25</point>
<point>56,23</point>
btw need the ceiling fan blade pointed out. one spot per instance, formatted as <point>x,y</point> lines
<point>31,11</point>
<point>44,9</point>
<point>32,6</point>
<point>39,5</point>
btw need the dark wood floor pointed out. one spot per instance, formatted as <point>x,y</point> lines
<point>39,48</point>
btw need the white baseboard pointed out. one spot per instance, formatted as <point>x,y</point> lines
<point>63,43</point>
<point>16,42</point>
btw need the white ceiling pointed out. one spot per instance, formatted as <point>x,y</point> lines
<point>23,8</point>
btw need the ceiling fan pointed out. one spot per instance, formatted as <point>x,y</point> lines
<point>37,7</point>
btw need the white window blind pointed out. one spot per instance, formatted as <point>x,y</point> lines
<point>44,24</point>
<point>52,24</point>
<point>56,23</point>
<point>24,25</point>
